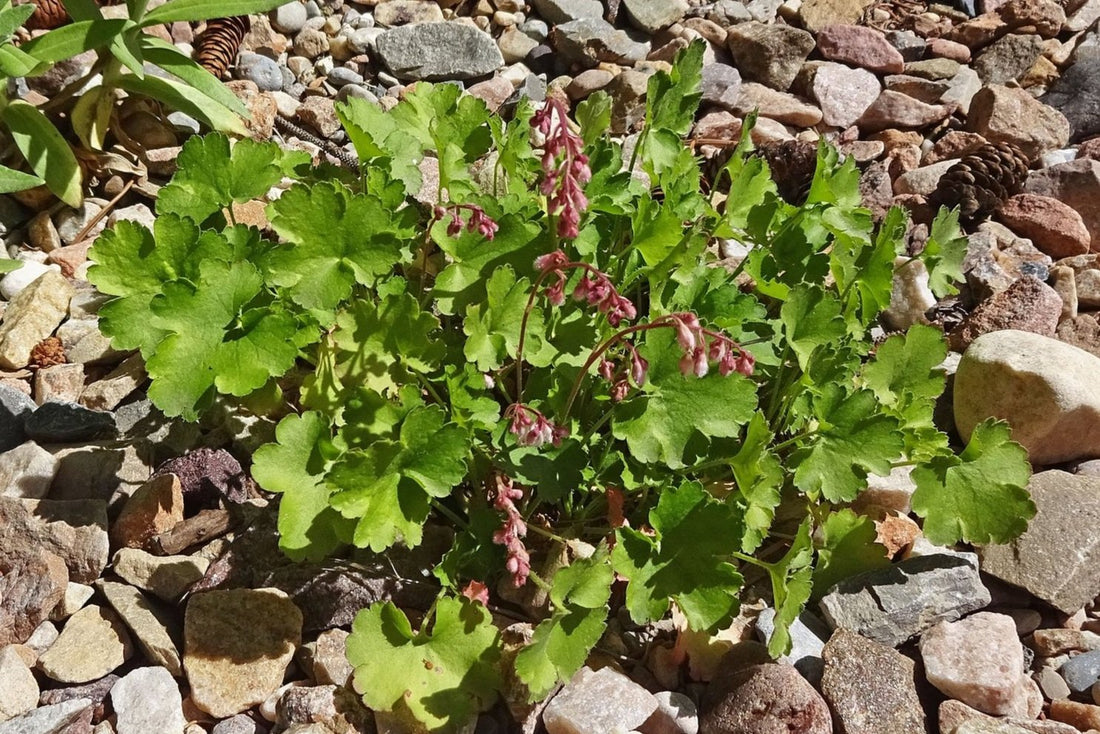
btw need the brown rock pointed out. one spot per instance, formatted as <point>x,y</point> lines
<point>31,585</point>
<point>978,32</point>
<point>870,687</point>
<point>769,54</point>
<point>93,643</point>
<point>953,714</point>
<point>897,110</point>
<point>1027,305</point>
<point>262,107</point>
<point>75,531</point>
<point>818,14</point>
<point>1063,281</point>
<point>860,46</point>
<point>954,144</point>
<point>779,106</point>
<point>1053,227</point>
<point>949,50</point>
<point>1044,17</point>
<point>320,114</point>
<point>1077,184</point>
<point>1004,114</point>
<point>1082,331</point>
<point>156,507</point>
<point>762,699</point>
<point>1081,715</point>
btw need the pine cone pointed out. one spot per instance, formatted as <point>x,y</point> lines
<point>981,182</point>
<point>48,14</point>
<point>217,48</point>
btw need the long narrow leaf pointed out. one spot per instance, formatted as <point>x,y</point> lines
<point>192,10</point>
<point>169,58</point>
<point>12,180</point>
<point>91,116</point>
<point>47,152</point>
<point>127,49</point>
<point>75,38</point>
<point>187,100</point>
<point>14,62</point>
<point>83,9</point>
<point>12,18</point>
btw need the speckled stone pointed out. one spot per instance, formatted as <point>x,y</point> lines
<point>870,687</point>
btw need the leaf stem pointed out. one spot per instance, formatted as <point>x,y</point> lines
<point>450,514</point>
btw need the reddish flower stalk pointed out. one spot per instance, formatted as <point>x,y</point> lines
<point>594,287</point>
<point>479,221</point>
<point>564,166</point>
<point>512,531</point>
<point>532,428</point>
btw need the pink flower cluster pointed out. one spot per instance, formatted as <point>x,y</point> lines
<point>512,531</point>
<point>532,428</point>
<point>562,179</point>
<point>479,221</point>
<point>617,372</point>
<point>702,346</point>
<point>594,287</point>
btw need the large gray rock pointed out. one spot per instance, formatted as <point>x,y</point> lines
<point>893,604</point>
<point>769,54</point>
<point>1076,94</point>
<point>557,12</point>
<point>1058,558</point>
<point>15,406</point>
<point>60,718</point>
<point>870,687</point>
<point>589,41</point>
<point>653,15</point>
<point>437,52</point>
<point>148,700</point>
<point>1046,390</point>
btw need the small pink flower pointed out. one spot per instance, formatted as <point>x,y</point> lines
<point>512,531</point>
<point>639,368</point>
<point>551,261</point>
<point>479,221</point>
<point>477,591</point>
<point>562,179</point>
<point>532,428</point>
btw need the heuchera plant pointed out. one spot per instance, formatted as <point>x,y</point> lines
<point>671,424</point>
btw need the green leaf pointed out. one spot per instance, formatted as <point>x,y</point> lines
<point>792,584</point>
<point>492,327</point>
<point>379,343</point>
<point>811,317</point>
<point>293,467</point>
<point>848,548</point>
<point>47,152</point>
<point>8,265</point>
<point>91,117</point>
<point>944,252</point>
<point>562,642</point>
<point>672,97</point>
<point>127,49</point>
<point>866,269</point>
<point>12,180</point>
<point>218,337</point>
<point>759,476</point>
<point>594,116</point>
<point>658,423</point>
<point>388,486</point>
<point>445,675</point>
<point>979,496</point>
<point>335,239</point>
<point>15,62</point>
<point>186,99</point>
<point>211,176</point>
<point>686,560</point>
<point>82,9</point>
<point>13,17</point>
<point>133,263</point>
<point>853,439</point>
<point>192,10</point>
<point>168,57</point>
<point>74,39</point>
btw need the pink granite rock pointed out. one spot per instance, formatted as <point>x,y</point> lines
<point>598,701</point>
<point>779,106</point>
<point>1027,305</point>
<point>1053,227</point>
<point>843,93</point>
<point>897,110</point>
<point>1011,115</point>
<point>762,699</point>
<point>978,660</point>
<point>860,46</point>
<point>1077,184</point>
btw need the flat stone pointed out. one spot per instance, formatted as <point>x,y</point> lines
<point>653,15</point>
<point>111,389</point>
<point>779,106</point>
<point>721,85</point>
<point>93,643</point>
<point>166,577</point>
<point>156,507</point>
<point>843,93</point>
<point>74,531</point>
<point>59,382</point>
<point>675,714</point>
<point>557,12</point>
<point>438,51</point>
<point>32,316</point>
<point>819,14</point>
<point>237,645</point>
<point>68,717</point>
<point>58,422</point>
<point>1027,305</point>
<point>75,597</point>
<point>147,700</point>
<point>771,55</point>
<point>765,698</point>
<point>27,471</point>
<point>1003,114</point>
<point>1008,58</point>
<point>1081,331</point>
<point>1076,184</point>
<point>18,279</point>
<point>958,718</point>
<point>32,585</point>
<point>1085,717</point>
<point>979,661</point>
<point>870,687</point>
<point>860,46</point>
<point>1076,94</point>
<point>1058,641</point>
<point>923,180</point>
<point>896,110</point>
<point>100,471</point>
<point>893,604</point>
<point>393,13</point>
<point>590,41</point>
<point>19,694</point>
<point>1058,558</point>
<point>1055,228</point>
<point>1081,671</point>
<point>598,701</point>
<point>1044,388</point>
<point>148,624</point>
